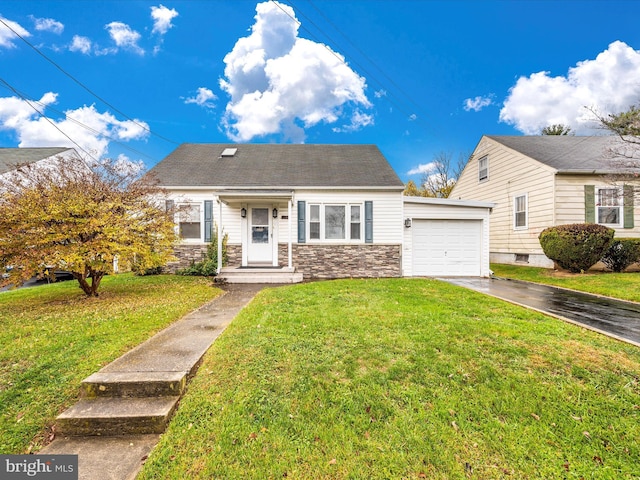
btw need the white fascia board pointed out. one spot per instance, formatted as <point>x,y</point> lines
<point>448,201</point>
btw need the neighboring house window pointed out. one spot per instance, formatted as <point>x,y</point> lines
<point>520,212</point>
<point>189,225</point>
<point>483,169</point>
<point>608,206</point>
<point>335,222</point>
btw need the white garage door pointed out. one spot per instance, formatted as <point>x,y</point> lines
<point>447,247</point>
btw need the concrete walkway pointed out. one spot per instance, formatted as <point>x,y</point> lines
<point>615,318</point>
<point>175,351</point>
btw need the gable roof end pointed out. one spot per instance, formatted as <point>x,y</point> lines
<point>566,153</point>
<point>12,157</point>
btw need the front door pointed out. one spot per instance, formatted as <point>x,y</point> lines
<point>260,251</point>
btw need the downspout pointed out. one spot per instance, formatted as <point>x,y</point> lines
<point>289,246</point>
<point>219,236</point>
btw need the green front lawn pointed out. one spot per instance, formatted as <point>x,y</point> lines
<point>625,286</point>
<point>53,336</point>
<point>404,378</point>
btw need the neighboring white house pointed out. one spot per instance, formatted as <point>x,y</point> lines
<point>12,158</point>
<point>542,181</point>
<point>312,211</point>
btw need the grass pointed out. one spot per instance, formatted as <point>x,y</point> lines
<point>52,337</point>
<point>625,286</point>
<point>404,378</point>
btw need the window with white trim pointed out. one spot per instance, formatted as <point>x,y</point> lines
<point>483,169</point>
<point>609,206</point>
<point>520,214</point>
<point>314,222</point>
<point>335,222</point>
<point>189,221</point>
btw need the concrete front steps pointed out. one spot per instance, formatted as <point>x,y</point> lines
<point>123,403</point>
<point>259,275</point>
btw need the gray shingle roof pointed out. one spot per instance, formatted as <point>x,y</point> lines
<point>276,166</point>
<point>10,157</point>
<point>566,153</point>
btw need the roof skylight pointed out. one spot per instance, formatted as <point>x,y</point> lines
<point>228,152</point>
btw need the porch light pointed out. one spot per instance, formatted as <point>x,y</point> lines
<point>243,212</point>
<point>275,213</point>
<point>407,222</point>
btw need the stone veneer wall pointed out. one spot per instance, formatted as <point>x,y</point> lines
<point>343,261</point>
<point>188,254</point>
<point>234,255</point>
<point>314,261</point>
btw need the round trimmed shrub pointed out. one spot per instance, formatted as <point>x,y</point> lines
<point>621,254</point>
<point>576,247</point>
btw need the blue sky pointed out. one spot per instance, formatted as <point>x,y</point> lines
<point>133,79</point>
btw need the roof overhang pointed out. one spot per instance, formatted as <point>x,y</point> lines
<point>448,201</point>
<point>229,196</point>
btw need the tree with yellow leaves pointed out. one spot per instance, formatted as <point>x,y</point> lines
<point>81,219</point>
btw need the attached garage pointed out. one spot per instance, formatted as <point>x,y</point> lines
<point>445,237</point>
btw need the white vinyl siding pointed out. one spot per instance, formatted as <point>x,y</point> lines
<point>512,174</point>
<point>387,212</point>
<point>570,202</point>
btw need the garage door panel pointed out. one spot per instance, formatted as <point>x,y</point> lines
<point>446,247</point>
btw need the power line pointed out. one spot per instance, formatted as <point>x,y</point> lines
<point>144,127</point>
<point>46,118</point>
<point>31,102</point>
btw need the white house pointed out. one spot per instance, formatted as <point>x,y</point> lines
<point>314,211</point>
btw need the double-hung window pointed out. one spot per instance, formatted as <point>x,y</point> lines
<point>335,222</point>
<point>483,169</point>
<point>520,217</point>
<point>608,206</point>
<point>189,221</point>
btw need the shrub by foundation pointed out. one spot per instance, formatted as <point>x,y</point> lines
<point>621,254</point>
<point>576,247</point>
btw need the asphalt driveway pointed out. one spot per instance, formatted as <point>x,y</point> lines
<point>615,318</point>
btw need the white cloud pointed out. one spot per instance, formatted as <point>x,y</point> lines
<point>478,103</point>
<point>413,117</point>
<point>359,120</point>
<point>80,44</point>
<point>7,37</point>
<point>380,93</point>
<point>32,130</point>
<point>609,83</point>
<point>48,25</point>
<point>124,37</point>
<point>162,17</point>
<point>423,168</point>
<point>279,83</point>
<point>204,98</point>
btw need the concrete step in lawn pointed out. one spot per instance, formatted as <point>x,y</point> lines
<point>133,384</point>
<point>259,275</point>
<point>117,416</point>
